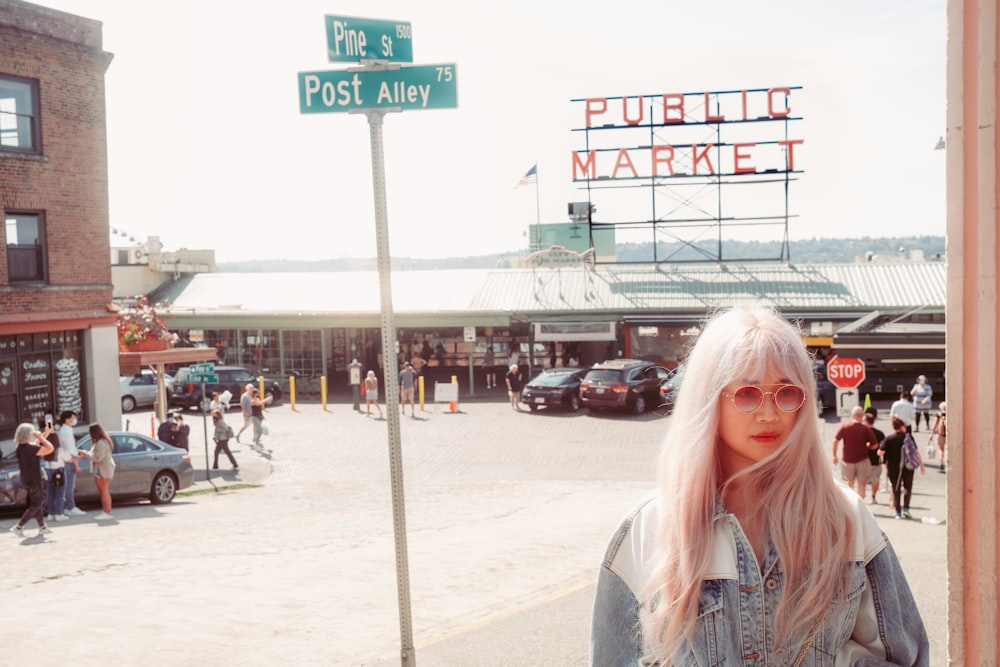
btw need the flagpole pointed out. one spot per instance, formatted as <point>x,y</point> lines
<point>538,213</point>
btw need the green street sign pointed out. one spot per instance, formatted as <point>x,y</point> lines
<point>416,87</point>
<point>353,39</point>
<point>207,378</point>
<point>201,368</point>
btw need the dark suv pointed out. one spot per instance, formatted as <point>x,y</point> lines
<point>625,384</point>
<point>186,394</point>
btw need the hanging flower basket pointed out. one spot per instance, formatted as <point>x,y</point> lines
<point>151,345</point>
<point>141,327</point>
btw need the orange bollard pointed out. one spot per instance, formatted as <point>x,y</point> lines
<point>452,405</point>
<point>152,427</point>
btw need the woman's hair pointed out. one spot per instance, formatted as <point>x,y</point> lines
<point>897,423</point>
<point>24,434</point>
<point>65,415</point>
<point>371,374</point>
<point>97,432</point>
<point>805,512</point>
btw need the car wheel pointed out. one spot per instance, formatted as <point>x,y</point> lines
<point>532,407</point>
<point>128,404</point>
<point>574,403</point>
<point>164,488</point>
<point>639,405</point>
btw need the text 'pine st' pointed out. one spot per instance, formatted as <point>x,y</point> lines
<point>419,87</point>
<point>354,39</point>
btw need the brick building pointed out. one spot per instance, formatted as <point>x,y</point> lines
<point>57,335</point>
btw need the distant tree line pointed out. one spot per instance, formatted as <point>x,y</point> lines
<point>809,251</point>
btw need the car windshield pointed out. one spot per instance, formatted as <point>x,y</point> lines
<point>550,379</point>
<point>599,375</point>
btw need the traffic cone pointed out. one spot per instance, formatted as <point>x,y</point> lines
<point>868,401</point>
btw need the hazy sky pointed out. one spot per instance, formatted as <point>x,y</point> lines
<point>208,148</point>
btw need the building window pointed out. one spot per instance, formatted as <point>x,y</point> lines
<point>19,129</point>
<point>24,234</point>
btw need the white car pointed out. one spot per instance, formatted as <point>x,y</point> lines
<point>140,390</point>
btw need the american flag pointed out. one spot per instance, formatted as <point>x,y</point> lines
<point>530,177</point>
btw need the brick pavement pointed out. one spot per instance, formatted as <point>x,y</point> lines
<point>507,516</point>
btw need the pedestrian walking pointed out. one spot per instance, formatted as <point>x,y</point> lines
<point>54,464</point>
<point>489,366</point>
<point>222,433</point>
<point>180,432</point>
<point>922,405</point>
<point>902,409</point>
<point>407,378</point>
<point>67,445</point>
<point>217,403</point>
<point>246,407</point>
<point>31,445</point>
<point>750,551</point>
<point>165,431</point>
<point>257,405</point>
<point>858,441</point>
<point>371,394</point>
<point>941,432</point>
<point>102,463</point>
<point>874,455</point>
<point>900,476</point>
<point>514,386</point>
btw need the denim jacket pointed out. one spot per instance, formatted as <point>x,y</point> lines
<point>878,625</point>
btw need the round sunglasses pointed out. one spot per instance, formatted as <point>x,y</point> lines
<point>786,397</point>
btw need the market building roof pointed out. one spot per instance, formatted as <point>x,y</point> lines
<point>605,290</point>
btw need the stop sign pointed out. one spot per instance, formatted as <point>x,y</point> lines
<point>845,373</point>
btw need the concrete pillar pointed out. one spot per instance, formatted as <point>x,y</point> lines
<point>972,341</point>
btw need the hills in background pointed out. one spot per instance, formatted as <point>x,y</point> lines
<point>811,251</point>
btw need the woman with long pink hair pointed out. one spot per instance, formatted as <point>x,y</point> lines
<point>751,553</point>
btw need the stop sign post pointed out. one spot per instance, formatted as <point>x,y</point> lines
<point>845,373</point>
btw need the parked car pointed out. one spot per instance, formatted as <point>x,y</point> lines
<point>187,394</point>
<point>554,387</point>
<point>826,391</point>
<point>145,468</point>
<point>139,390</point>
<point>669,389</point>
<point>623,384</point>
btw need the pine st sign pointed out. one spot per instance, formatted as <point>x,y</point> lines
<point>405,88</point>
<point>353,39</point>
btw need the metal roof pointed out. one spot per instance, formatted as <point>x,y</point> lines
<point>620,289</point>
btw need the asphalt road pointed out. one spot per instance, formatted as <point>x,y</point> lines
<point>507,517</point>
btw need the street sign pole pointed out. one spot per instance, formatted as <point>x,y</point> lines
<point>204,423</point>
<point>408,656</point>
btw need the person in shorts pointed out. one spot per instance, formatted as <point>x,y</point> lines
<point>406,388</point>
<point>246,403</point>
<point>858,439</point>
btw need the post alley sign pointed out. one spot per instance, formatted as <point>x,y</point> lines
<point>673,135</point>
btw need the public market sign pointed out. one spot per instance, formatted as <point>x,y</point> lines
<point>687,118</point>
